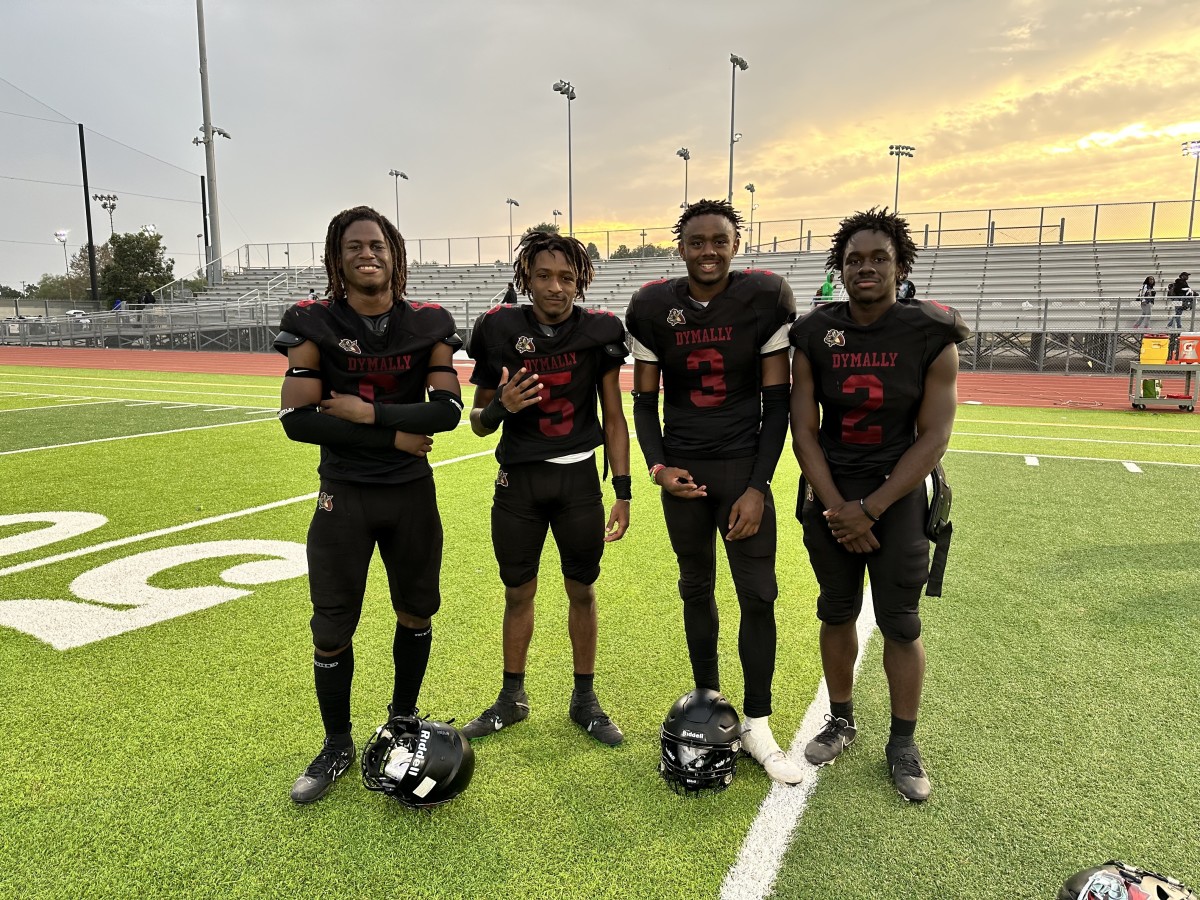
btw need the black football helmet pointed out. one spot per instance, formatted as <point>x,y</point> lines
<point>417,762</point>
<point>1116,880</point>
<point>700,737</point>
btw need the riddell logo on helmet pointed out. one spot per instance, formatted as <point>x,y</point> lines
<point>418,759</point>
<point>693,734</point>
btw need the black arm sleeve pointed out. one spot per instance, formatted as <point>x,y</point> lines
<point>442,413</point>
<point>771,435</point>
<point>308,425</point>
<point>649,428</point>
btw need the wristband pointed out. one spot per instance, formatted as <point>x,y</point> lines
<point>494,413</point>
<point>863,507</point>
<point>654,470</point>
<point>623,486</point>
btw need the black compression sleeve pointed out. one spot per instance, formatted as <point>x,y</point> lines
<point>442,413</point>
<point>771,435</point>
<point>649,428</point>
<point>309,426</point>
<point>494,414</point>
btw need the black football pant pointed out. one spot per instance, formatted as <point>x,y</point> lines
<point>693,526</point>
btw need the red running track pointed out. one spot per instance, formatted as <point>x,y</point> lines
<point>1082,391</point>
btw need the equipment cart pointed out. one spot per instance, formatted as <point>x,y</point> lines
<point>1186,399</point>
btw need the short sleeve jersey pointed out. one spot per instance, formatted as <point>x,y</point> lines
<point>387,367</point>
<point>870,379</point>
<point>569,363</point>
<point>710,358</point>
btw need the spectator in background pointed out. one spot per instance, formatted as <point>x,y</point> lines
<point>312,293</point>
<point>510,295</point>
<point>825,291</point>
<point>118,304</point>
<point>1181,299</point>
<point>905,289</point>
<point>1146,299</point>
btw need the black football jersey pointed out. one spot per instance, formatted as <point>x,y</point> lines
<point>870,379</point>
<point>387,367</point>
<point>569,363</point>
<point>710,360</point>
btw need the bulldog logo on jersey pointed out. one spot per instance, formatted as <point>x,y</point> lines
<point>675,317</point>
<point>501,478</point>
<point>325,501</point>
<point>835,338</point>
<point>349,346</point>
<point>525,344</point>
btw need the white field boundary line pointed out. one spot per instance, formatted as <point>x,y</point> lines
<point>199,523</point>
<point>59,406</point>
<point>752,876</point>
<point>153,390</point>
<point>970,421</point>
<point>1073,440</point>
<point>1103,459</point>
<point>274,400</point>
<point>136,380</point>
<point>130,437</point>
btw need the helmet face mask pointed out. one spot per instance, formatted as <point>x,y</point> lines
<point>418,763</point>
<point>700,740</point>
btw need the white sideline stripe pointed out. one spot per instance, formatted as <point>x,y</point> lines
<point>181,406</point>
<point>1153,428</point>
<point>143,399</point>
<point>1144,462</point>
<point>128,437</point>
<point>753,874</point>
<point>1031,461</point>
<point>60,406</point>
<point>143,403</point>
<point>199,523</point>
<point>1072,440</point>
<point>1132,468</point>
<point>135,380</point>
<point>154,390</point>
<point>221,408</point>
<point>71,399</point>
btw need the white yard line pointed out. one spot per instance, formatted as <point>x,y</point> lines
<point>1144,462</point>
<point>156,390</point>
<point>753,874</point>
<point>1032,461</point>
<point>59,406</point>
<point>973,421</point>
<point>133,380</point>
<point>129,437</point>
<point>199,523</point>
<point>1132,468</point>
<point>1073,440</point>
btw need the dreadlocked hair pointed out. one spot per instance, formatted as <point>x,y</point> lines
<point>536,242</point>
<point>333,250</point>
<point>709,208</point>
<point>874,219</point>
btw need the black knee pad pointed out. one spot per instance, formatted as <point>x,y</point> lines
<point>419,604</point>
<point>330,632</point>
<point>839,611</point>
<point>901,626</point>
<point>584,573</point>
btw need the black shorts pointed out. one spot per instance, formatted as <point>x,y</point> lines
<point>898,569</point>
<point>349,522</point>
<point>531,497</point>
<point>693,525</point>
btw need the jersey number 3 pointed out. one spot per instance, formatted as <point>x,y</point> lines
<point>711,364</point>
<point>557,413</point>
<point>852,431</point>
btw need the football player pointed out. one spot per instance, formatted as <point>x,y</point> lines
<point>873,401</point>
<point>360,363</point>
<point>717,341</point>
<point>538,371</point>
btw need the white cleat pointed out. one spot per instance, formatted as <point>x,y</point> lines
<point>760,743</point>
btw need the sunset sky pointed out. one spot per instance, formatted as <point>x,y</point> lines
<point>1008,102</point>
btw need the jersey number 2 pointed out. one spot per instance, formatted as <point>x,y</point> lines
<point>852,433</point>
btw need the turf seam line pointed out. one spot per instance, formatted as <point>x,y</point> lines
<point>752,876</point>
<point>199,523</point>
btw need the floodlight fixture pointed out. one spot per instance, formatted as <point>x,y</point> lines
<point>564,87</point>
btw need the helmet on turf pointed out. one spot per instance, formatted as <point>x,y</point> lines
<point>700,742</point>
<point>1117,881</point>
<point>417,762</point>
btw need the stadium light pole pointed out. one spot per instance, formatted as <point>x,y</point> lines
<point>61,237</point>
<point>210,152</point>
<point>199,255</point>
<point>684,154</point>
<point>738,63</point>
<point>511,203</point>
<point>899,150</point>
<point>557,213</point>
<point>1192,148</point>
<point>396,176</point>
<point>567,90</point>
<point>108,202</point>
<point>753,206</point>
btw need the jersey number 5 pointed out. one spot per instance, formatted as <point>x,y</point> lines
<point>852,432</point>
<point>557,413</point>
<point>711,364</point>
